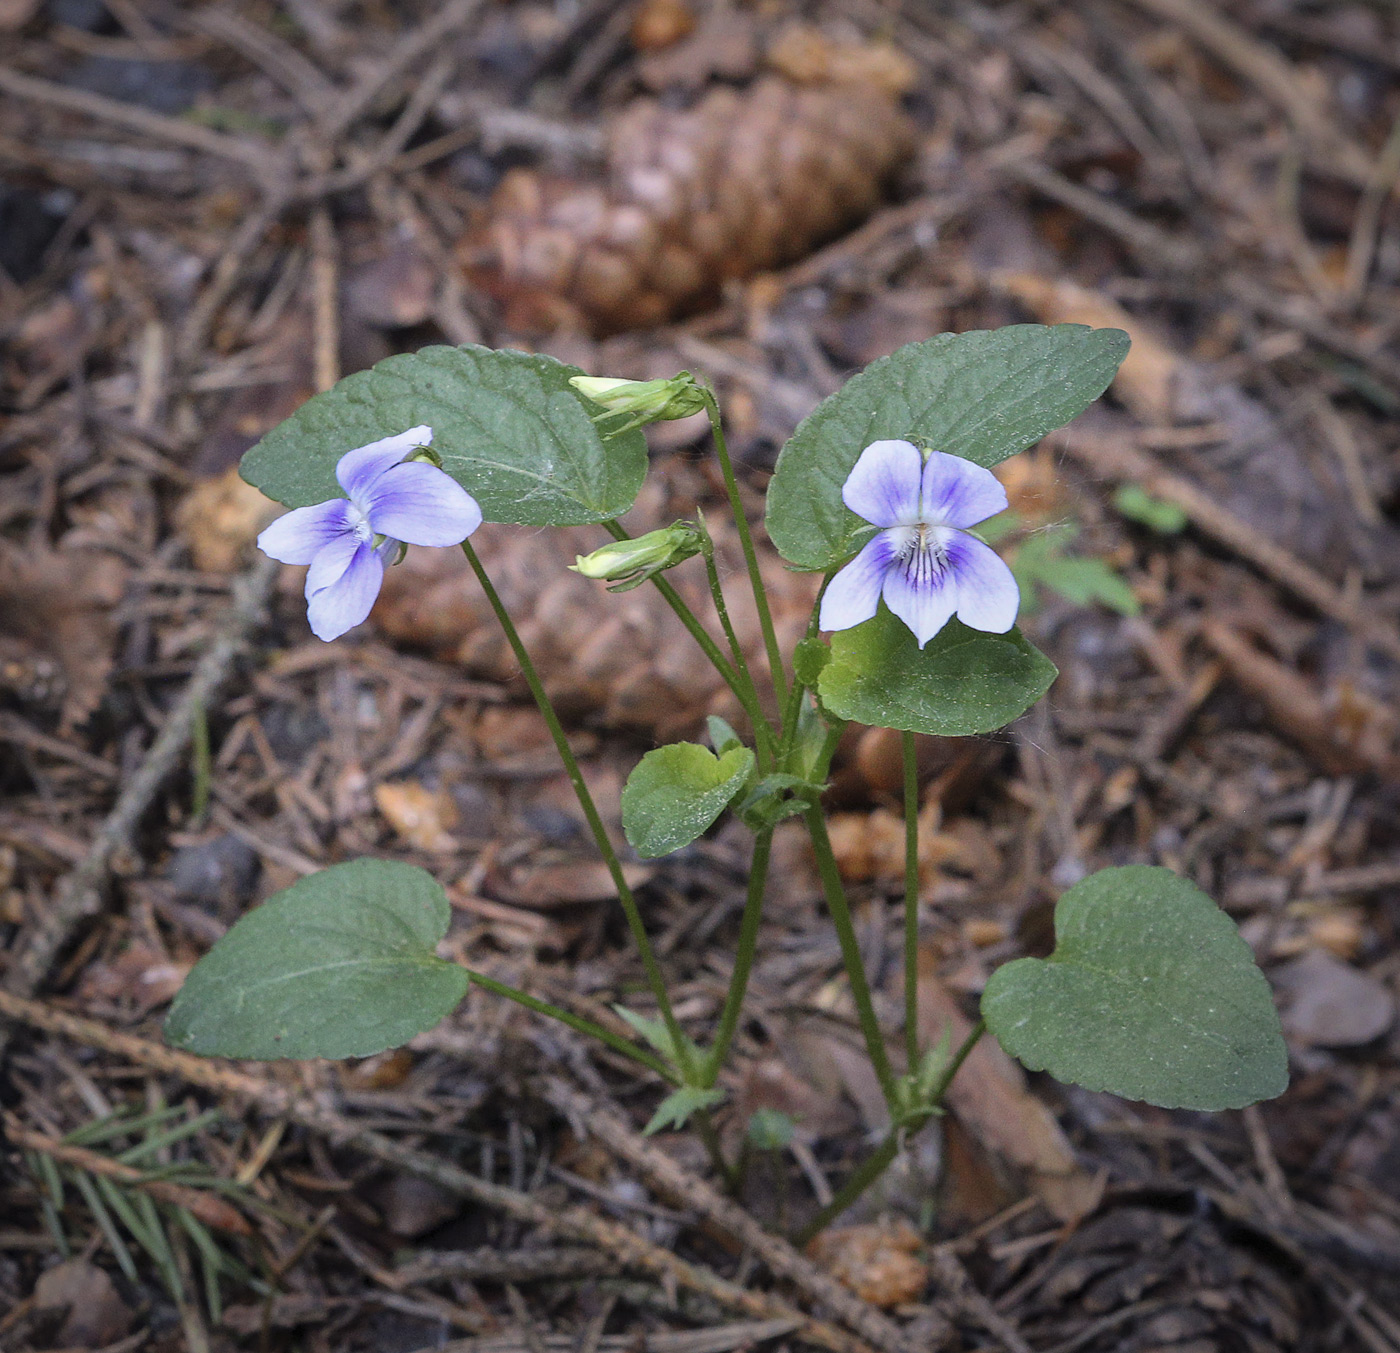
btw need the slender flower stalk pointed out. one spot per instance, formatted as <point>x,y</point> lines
<point>741,524</point>
<point>840,911</point>
<point>743,956</point>
<point>884,1155</point>
<point>744,690</point>
<point>630,909</point>
<point>911,902</point>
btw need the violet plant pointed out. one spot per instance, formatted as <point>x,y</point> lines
<point>1150,992</point>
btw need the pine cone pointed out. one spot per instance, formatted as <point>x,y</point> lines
<point>740,183</point>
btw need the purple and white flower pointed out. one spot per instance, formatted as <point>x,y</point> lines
<point>923,561</point>
<point>389,502</point>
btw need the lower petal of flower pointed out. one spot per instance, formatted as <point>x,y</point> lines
<point>853,595</point>
<point>347,602</point>
<point>988,597</point>
<point>300,535</point>
<point>421,505</point>
<point>921,590</point>
<point>331,561</point>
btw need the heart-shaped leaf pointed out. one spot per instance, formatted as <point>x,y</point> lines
<point>508,427</point>
<point>983,395</point>
<point>341,964</point>
<point>1151,993</point>
<point>676,792</point>
<point>961,682</point>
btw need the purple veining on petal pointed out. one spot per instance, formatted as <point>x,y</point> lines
<point>296,537</point>
<point>421,505</point>
<point>348,601</point>
<point>883,486</point>
<point>358,469</point>
<point>921,590</point>
<point>853,595</point>
<point>988,597</point>
<point>959,493</point>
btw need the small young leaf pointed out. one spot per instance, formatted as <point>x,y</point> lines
<point>676,792</point>
<point>507,425</point>
<point>983,396</point>
<point>771,1130</point>
<point>1150,993</point>
<point>1133,501</point>
<point>961,682</point>
<point>341,964</point>
<point>723,738</point>
<point>675,1110</point>
<point>1081,579</point>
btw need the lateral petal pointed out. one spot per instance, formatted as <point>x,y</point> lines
<point>988,597</point>
<point>853,595</point>
<point>883,486</point>
<point>297,537</point>
<point>421,505</point>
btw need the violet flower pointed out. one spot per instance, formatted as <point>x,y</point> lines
<point>923,561</point>
<point>390,502</point>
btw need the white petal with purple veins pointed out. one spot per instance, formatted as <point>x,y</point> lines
<point>421,505</point>
<point>959,493</point>
<point>347,602</point>
<point>988,597</point>
<point>921,590</point>
<point>331,561</point>
<point>883,486</point>
<point>296,537</point>
<point>853,595</point>
<point>358,469</point>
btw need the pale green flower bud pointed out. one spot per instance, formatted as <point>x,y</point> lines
<point>646,401</point>
<point>631,562</point>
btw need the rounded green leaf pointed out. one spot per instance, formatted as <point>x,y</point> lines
<point>341,964</point>
<point>508,427</point>
<point>676,792</point>
<point>1151,993</point>
<point>983,395</point>
<point>961,682</point>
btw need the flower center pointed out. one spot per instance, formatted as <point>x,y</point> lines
<point>359,524</point>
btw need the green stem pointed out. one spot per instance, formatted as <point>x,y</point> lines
<point>743,957</point>
<point>709,1137</point>
<point>743,688</point>
<point>578,1024</point>
<point>911,904</point>
<point>741,663</point>
<point>850,955</point>
<point>741,523</point>
<point>880,1160</point>
<point>590,811</point>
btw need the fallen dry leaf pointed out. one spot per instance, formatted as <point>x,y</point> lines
<point>878,1261</point>
<point>1330,1004</point>
<point>220,518</point>
<point>423,817</point>
<point>95,1313</point>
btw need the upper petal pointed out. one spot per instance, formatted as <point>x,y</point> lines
<point>958,493</point>
<point>358,469</point>
<point>853,595</point>
<point>883,486</point>
<point>296,537</point>
<point>988,597</point>
<point>421,505</point>
<point>922,592</point>
<point>347,602</point>
<point>331,561</point>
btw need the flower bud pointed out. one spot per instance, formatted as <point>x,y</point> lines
<point>646,401</point>
<point>631,562</point>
